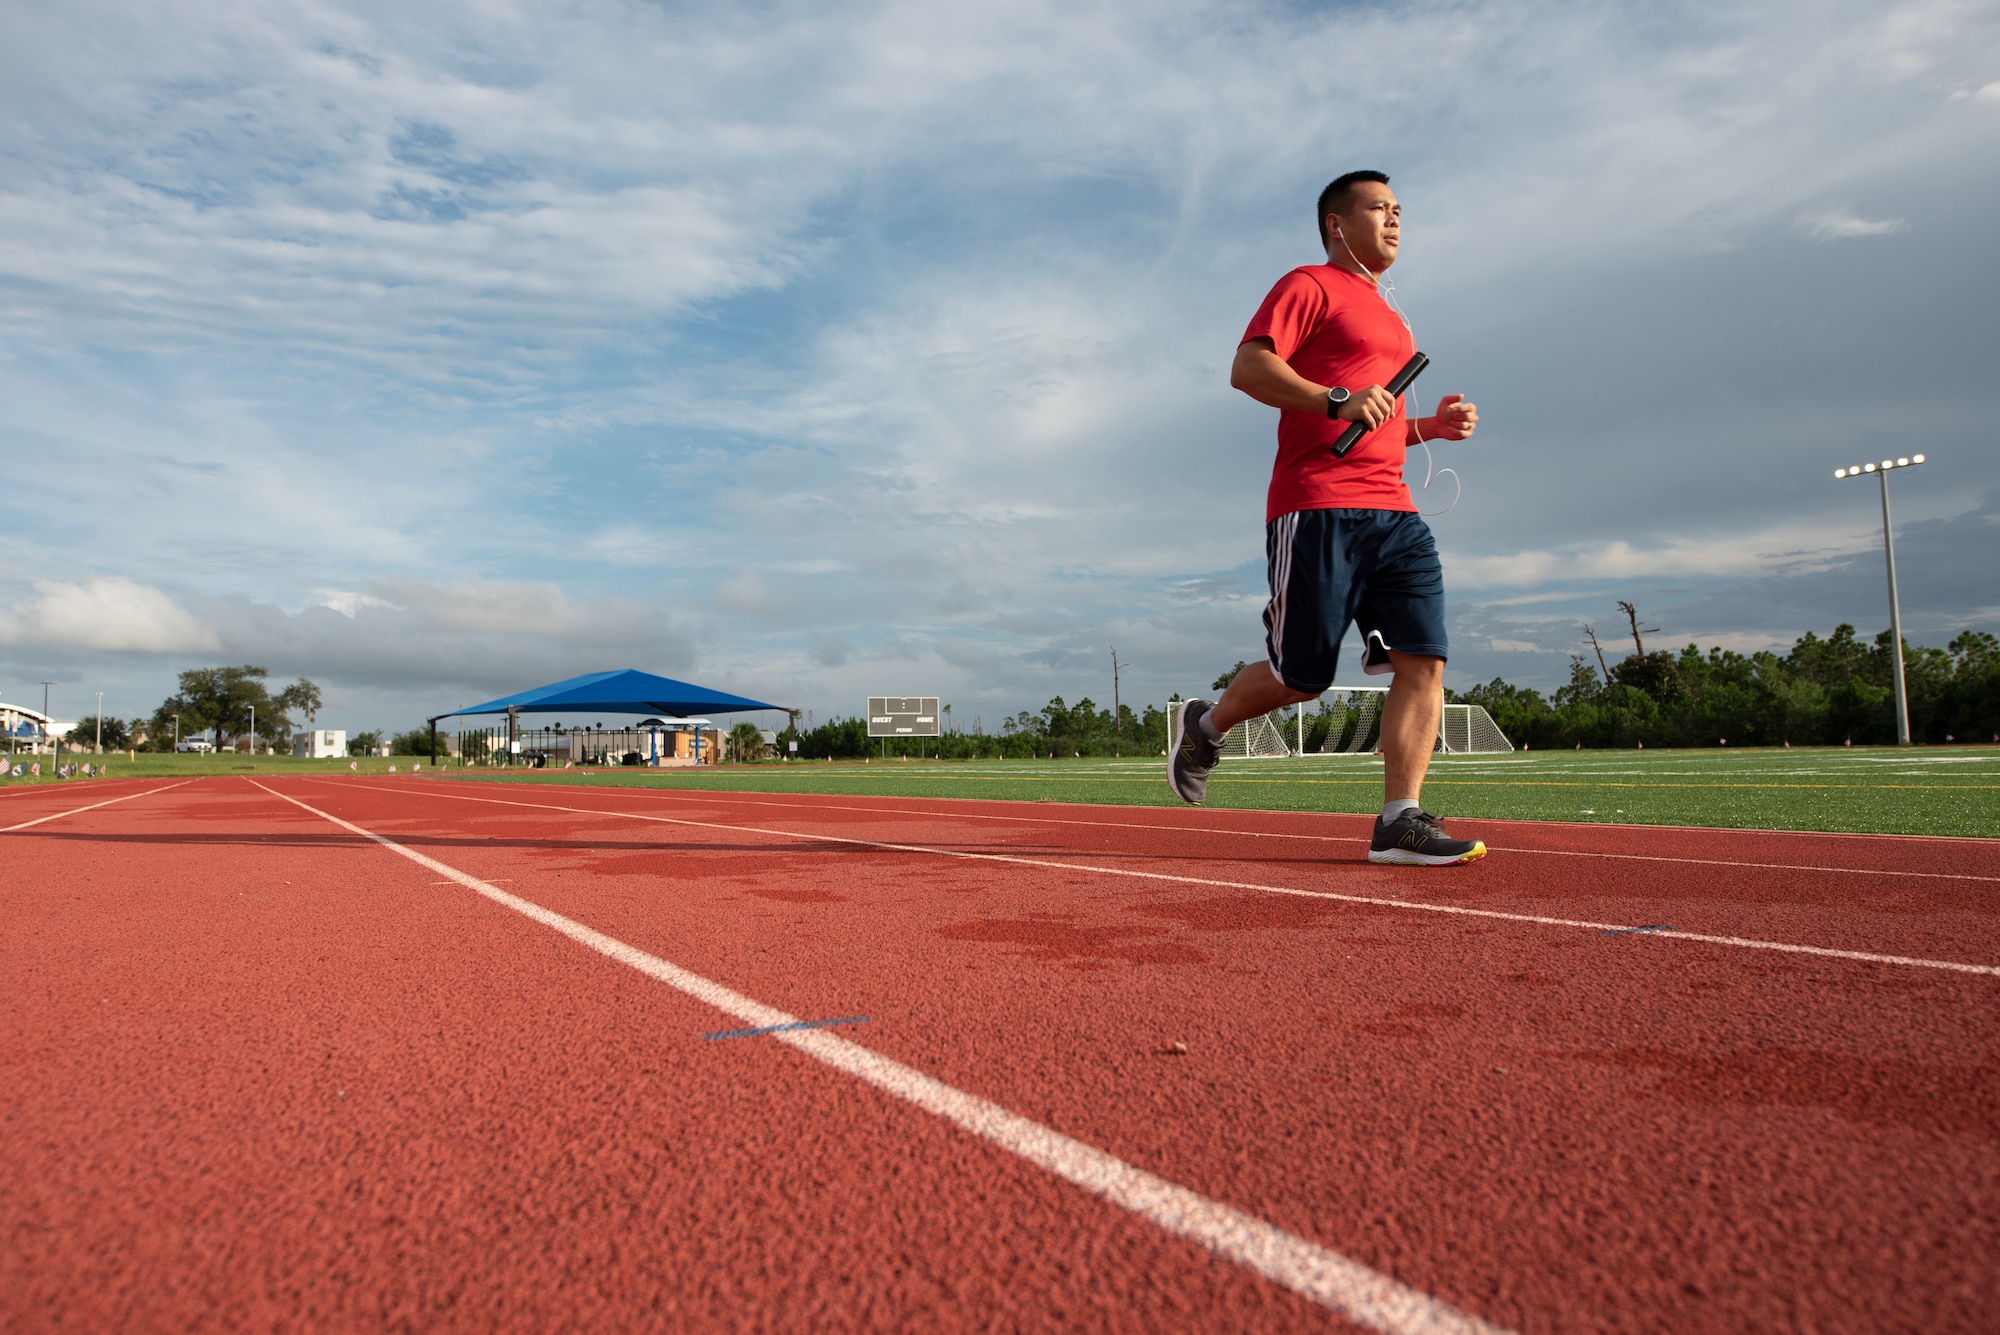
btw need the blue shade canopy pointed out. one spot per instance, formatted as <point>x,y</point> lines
<point>626,691</point>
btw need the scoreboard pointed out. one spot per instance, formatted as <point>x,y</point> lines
<point>903,716</point>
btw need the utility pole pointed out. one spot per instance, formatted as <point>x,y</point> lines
<point>1632,614</point>
<point>100,723</point>
<point>177,734</point>
<point>45,714</point>
<point>1881,470</point>
<point>1117,707</point>
<point>253,730</point>
<point>1591,635</point>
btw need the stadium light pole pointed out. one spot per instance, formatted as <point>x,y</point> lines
<point>1881,471</point>
<point>100,723</point>
<point>45,715</point>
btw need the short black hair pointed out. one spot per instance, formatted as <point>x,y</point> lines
<point>1334,199</point>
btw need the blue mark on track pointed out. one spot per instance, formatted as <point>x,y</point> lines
<point>1629,931</point>
<point>784,1028</point>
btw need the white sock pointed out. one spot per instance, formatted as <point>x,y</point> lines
<point>1208,729</point>
<point>1396,806</point>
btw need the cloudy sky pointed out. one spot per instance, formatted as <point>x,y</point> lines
<point>814,351</point>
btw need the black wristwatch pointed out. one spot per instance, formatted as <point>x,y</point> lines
<point>1334,398</point>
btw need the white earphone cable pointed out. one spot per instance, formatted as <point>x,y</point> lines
<point>1385,286</point>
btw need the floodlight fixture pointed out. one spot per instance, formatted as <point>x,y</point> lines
<point>1882,471</point>
<point>1856,470</point>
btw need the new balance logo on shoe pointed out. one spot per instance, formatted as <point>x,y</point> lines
<point>1416,839</point>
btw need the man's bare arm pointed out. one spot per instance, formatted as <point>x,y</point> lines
<point>1456,419</point>
<point>1266,377</point>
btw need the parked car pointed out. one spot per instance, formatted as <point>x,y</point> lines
<point>196,744</point>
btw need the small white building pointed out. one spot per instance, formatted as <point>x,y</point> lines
<point>320,743</point>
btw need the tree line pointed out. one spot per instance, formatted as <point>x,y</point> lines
<point>1824,692</point>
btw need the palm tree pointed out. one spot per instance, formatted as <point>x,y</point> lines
<point>746,742</point>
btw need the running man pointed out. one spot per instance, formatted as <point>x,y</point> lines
<point>1342,538</point>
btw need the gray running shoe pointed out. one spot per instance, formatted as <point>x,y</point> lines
<point>1416,839</point>
<point>1188,766</point>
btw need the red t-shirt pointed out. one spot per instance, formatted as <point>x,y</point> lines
<point>1333,328</point>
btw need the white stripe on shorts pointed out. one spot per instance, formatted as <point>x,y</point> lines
<point>1281,580</point>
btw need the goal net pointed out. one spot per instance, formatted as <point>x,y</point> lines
<point>1470,730</point>
<point>1261,738</point>
<point>1347,723</point>
<point>1352,723</point>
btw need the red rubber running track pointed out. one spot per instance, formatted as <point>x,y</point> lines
<point>362,1054</point>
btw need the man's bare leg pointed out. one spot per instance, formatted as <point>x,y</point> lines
<point>1256,690</point>
<point>1405,833</point>
<point>1410,721</point>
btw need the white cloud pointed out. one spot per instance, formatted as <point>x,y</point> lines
<point>105,612</point>
<point>1989,92</point>
<point>407,632</point>
<point>487,199</point>
<point>1839,224</point>
<point>1781,549</point>
<point>523,610</point>
<point>347,602</point>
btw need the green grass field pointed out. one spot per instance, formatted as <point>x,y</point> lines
<point>1937,791</point>
<point>1932,790</point>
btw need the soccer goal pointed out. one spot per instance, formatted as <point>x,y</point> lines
<point>1354,725</point>
<point>1349,723</point>
<point>1470,730</point>
<point>1353,722</point>
<point>1261,738</point>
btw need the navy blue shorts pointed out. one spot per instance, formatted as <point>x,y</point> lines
<point>1376,568</point>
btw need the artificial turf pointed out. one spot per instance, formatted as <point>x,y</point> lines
<point>1935,790</point>
<point>1876,790</point>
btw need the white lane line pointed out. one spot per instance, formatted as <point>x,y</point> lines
<point>1378,901</point>
<point>1313,1272</point>
<point>77,811</point>
<point>1358,839</point>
